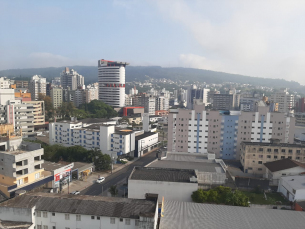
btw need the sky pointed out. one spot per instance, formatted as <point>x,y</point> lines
<point>263,38</point>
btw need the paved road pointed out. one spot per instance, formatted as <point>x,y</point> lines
<point>120,176</point>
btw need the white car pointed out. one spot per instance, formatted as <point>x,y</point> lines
<point>75,193</point>
<point>100,180</point>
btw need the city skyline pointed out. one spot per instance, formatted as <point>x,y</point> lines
<point>262,39</point>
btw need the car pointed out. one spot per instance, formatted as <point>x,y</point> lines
<point>100,180</point>
<point>75,193</point>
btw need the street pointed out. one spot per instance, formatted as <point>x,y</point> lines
<point>119,177</point>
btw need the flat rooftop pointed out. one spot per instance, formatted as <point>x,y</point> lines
<point>274,144</point>
<point>145,135</point>
<point>51,166</point>
<point>295,182</point>
<point>200,166</point>
<point>181,215</point>
<point>85,205</point>
<point>162,174</point>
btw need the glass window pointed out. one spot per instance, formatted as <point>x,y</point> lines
<point>67,216</point>
<point>92,217</point>
<point>45,226</point>
<point>112,220</point>
<point>38,213</point>
<point>127,221</point>
<point>39,227</point>
<point>137,222</point>
<point>78,217</point>
<point>45,214</point>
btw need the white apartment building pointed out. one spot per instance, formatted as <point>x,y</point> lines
<point>128,100</point>
<point>37,86</point>
<point>4,83</point>
<point>71,79</point>
<point>162,103</point>
<point>56,211</point>
<point>91,92</point>
<point>284,99</point>
<point>111,79</point>
<point>102,135</point>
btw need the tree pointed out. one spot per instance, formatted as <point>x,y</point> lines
<point>102,162</point>
<point>113,190</point>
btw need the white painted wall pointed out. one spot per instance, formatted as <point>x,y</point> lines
<point>286,172</point>
<point>170,190</point>
<point>289,192</point>
<point>17,214</point>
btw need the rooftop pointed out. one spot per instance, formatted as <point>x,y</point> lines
<point>283,164</point>
<point>51,166</point>
<point>95,120</point>
<point>123,131</point>
<point>85,205</point>
<point>145,135</point>
<point>200,166</point>
<point>162,174</point>
<point>196,215</point>
<point>14,224</point>
<point>295,182</point>
<point>274,145</point>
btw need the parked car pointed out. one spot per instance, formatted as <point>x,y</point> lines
<point>100,180</point>
<point>75,193</point>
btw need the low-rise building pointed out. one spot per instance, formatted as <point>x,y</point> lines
<point>255,154</point>
<point>21,166</point>
<point>285,167</point>
<point>145,143</point>
<point>172,184</point>
<point>48,210</point>
<point>136,119</point>
<point>154,118</point>
<point>292,187</point>
<point>180,215</point>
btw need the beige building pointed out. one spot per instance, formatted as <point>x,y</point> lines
<point>57,97</point>
<point>255,154</point>
<point>136,120</point>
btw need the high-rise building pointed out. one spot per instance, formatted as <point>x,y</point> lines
<point>202,131</point>
<point>111,79</point>
<point>300,105</point>
<point>196,93</point>
<point>226,101</point>
<point>91,92</point>
<point>4,83</point>
<point>56,96</point>
<point>284,99</point>
<point>71,79</point>
<point>37,86</point>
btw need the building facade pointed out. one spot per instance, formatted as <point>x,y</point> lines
<point>284,99</point>
<point>226,101</point>
<point>56,95</point>
<point>4,83</point>
<point>255,154</point>
<point>37,86</point>
<point>71,79</point>
<point>111,79</point>
<point>202,131</point>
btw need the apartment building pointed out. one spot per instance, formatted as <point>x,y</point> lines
<point>284,99</point>
<point>255,154</point>
<point>70,79</point>
<point>37,86</point>
<point>91,92</point>
<point>194,93</point>
<point>57,211</point>
<point>226,101</point>
<point>56,95</point>
<point>4,83</point>
<point>248,103</point>
<point>102,135</point>
<point>162,103</point>
<point>222,132</point>
<point>20,164</point>
<point>111,79</point>
<point>22,84</point>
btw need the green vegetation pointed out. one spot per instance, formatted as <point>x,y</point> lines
<point>76,154</point>
<point>113,190</point>
<point>272,198</point>
<point>221,195</point>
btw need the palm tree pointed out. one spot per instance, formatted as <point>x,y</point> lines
<point>113,190</point>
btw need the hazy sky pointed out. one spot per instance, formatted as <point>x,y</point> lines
<point>257,38</point>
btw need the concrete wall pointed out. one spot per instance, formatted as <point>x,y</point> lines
<point>169,190</point>
<point>17,214</point>
<point>286,172</point>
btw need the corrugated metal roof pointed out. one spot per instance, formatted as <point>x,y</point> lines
<point>209,216</point>
<point>86,205</point>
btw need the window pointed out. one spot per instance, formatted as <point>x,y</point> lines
<point>298,151</point>
<point>45,214</point>
<point>260,169</point>
<point>67,227</point>
<point>275,157</point>
<point>112,220</point>
<point>137,222</point>
<point>39,227</point>
<point>276,150</point>
<point>92,217</point>
<point>269,150</point>
<point>53,227</point>
<point>283,150</point>
<point>78,217</point>
<point>127,221</point>
<point>261,149</point>
<point>260,162</point>
<point>45,226</point>
<point>98,217</point>
<point>121,219</point>
<point>290,151</point>
<point>38,214</point>
<point>282,157</point>
<point>268,156</point>
<point>67,217</point>
<point>289,157</point>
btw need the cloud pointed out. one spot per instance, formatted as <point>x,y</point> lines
<point>258,38</point>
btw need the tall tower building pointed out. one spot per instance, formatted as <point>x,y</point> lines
<point>37,86</point>
<point>70,78</point>
<point>111,80</point>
